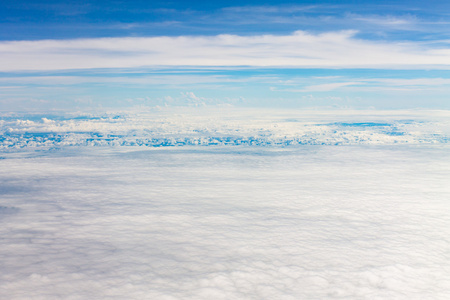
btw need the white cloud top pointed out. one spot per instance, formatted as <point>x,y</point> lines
<point>214,126</point>
<point>300,49</point>
<point>226,223</point>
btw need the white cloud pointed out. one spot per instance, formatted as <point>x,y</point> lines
<point>362,84</point>
<point>393,22</point>
<point>300,49</point>
<point>295,84</point>
<point>325,87</point>
<point>210,125</point>
<point>315,222</point>
<point>289,9</point>
<point>410,82</point>
<point>156,79</point>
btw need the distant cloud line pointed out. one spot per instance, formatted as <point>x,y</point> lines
<point>155,129</point>
<point>298,50</point>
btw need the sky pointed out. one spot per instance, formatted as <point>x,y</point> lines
<point>59,55</point>
<point>224,149</point>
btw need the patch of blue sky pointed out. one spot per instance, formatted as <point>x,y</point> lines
<point>354,88</point>
<point>55,19</point>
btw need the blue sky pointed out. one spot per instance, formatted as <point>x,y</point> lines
<point>346,54</point>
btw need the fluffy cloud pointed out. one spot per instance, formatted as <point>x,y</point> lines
<point>226,223</point>
<point>218,125</point>
<point>300,49</point>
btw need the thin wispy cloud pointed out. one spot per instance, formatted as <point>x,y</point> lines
<point>325,87</point>
<point>91,19</point>
<point>274,9</point>
<point>407,22</point>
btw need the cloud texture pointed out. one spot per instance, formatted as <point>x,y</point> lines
<point>300,49</point>
<point>210,126</point>
<point>317,222</point>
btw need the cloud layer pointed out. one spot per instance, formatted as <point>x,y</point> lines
<point>300,49</point>
<point>215,126</point>
<point>361,222</point>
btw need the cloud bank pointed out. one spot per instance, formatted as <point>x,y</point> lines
<point>300,49</point>
<point>361,222</point>
<point>212,126</point>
